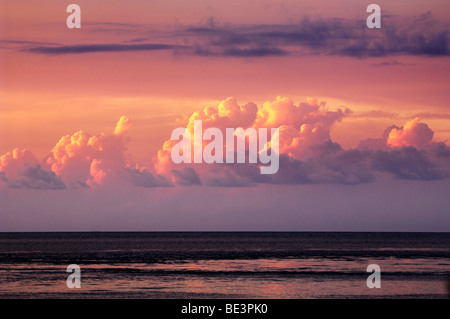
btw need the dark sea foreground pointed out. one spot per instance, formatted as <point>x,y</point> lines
<point>209,265</point>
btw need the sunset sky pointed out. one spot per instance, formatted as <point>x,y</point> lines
<point>86,114</point>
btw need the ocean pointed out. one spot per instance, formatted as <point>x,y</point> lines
<point>210,265</point>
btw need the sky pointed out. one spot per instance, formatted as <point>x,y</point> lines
<point>86,115</point>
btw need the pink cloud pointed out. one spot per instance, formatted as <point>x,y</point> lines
<point>413,133</point>
<point>13,161</point>
<point>19,168</point>
<point>301,127</point>
<point>307,152</point>
<point>308,155</point>
<point>99,160</point>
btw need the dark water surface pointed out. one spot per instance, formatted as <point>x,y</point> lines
<point>224,265</point>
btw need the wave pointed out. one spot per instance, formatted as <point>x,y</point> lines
<point>150,257</point>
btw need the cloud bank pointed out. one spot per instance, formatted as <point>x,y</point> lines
<point>308,155</point>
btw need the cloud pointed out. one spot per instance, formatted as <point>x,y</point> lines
<point>185,176</point>
<point>423,35</point>
<point>408,152</point>
<point>441,150</point>
<point>344,167</point>
<point>37,178</point>
<point>92,48</point>
<point>13,161</point>
<point>144,178</point>
<point>247,52</point>
<point>303,128</point>
<point>373,144</point>
<point>86,160</point>
<point>123,126</point>
<point>307,154</point>
<point>331,36</point>
<point>20,169</point>
<point>337,167</point>
<point>314,35</point>
<point>407,163</point>
<point>413,133</point>
<point>226,177</point>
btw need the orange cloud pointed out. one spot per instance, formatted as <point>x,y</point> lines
<point>123,126</point>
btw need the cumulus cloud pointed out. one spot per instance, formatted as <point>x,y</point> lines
<point>13,161</point>
<point>123,126</point>
<point>408,152</point>
<point>303,128</point>
<point>307,154</point>
<point>19,168</point>
<point>413,133</point>
<point>93,159</point>
<point>86,160</point>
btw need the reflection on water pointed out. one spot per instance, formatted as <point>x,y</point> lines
<point>261,278</point>
<point>246,266</point>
